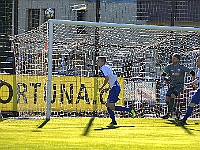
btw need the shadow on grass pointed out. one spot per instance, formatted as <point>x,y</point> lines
<point>44,123</point>
<point>36,131</point>
<point>112,127</point>
<point>88,126</point>
<point>182,126</point>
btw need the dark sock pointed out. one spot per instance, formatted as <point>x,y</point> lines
<point>112,115</point>
<point>171,105</point>
<point>122,108</point>
<point>188,113</point>
<point>174,108</point>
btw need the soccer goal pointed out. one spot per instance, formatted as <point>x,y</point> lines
<point>57,74</point>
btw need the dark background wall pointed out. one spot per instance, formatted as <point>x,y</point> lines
<point>6,55</point>
<point>161,12</point>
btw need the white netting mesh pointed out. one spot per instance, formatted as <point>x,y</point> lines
<point>137,55</point>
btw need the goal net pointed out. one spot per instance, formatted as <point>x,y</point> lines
<point>57,74</point>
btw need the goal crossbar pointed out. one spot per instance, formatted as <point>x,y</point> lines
<point>104,24</point>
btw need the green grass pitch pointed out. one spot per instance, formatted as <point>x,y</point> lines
<point>130,134</point>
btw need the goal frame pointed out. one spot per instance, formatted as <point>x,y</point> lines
<point>51,23</point>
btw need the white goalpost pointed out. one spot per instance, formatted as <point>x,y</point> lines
<point>138,53</point>
<point>49,85</point>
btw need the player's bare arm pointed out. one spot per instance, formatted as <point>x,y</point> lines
<point>104,84</point>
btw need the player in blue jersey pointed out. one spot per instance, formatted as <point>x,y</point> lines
<point>196,98</point>
<point>114,90</point>
<point>176,73</point>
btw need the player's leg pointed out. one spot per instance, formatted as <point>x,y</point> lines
<point>195,100</point>
<point>111,108</point>
<point>114,97</point>
<point>177,90</point>
<point>171,103</point>
<point>188,112</point>
<point>171,95</point>
<point>174,93</point>
<point>167,100</point>
<point>128,109</point>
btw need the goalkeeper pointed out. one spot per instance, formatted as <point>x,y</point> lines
<point>176,73</point>
<point>114,90</point>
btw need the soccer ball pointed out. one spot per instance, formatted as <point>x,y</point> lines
<point>49,13</point>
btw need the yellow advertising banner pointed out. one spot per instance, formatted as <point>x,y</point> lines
<point>8,93</point>
<point>69,93</point>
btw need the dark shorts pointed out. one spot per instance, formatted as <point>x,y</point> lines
<point>176,90</point>
<point>196,98</point>
<point>113,94</point>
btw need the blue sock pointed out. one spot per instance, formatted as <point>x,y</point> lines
<point>188,113</point>
<point>122,108</point>
<point>112,115</point>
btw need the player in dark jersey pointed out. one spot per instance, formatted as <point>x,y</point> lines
<point>176,73</point>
